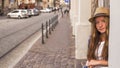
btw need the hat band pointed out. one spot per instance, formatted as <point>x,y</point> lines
<point>101,14</point>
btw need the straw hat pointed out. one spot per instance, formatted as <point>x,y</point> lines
<point>100,11</point>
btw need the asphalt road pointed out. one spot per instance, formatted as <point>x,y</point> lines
<point>15,31</point>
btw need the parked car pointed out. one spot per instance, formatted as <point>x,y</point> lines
<point>53,9</point>
<point>34,12</point>
<point>46,10</point>
<point>29,12</point>
<point>18,13</point>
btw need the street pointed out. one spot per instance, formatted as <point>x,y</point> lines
<point>57,52</point>
<point>15,31</point>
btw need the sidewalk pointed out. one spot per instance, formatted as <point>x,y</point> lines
<point>57,52</point>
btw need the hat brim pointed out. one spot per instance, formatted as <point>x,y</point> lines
<point>98,15</point>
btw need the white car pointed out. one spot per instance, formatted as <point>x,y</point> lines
<point>18,13</point>
<point>34,12</point>
<point>46,10</point>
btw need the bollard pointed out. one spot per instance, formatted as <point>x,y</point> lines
<point>52,26</point>
<point>42,33</point>
<point>55,24</point>
<point>46,30</point>
<point>49,27</point>
<point>52,23</point>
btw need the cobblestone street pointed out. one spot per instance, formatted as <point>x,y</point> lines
<point>57,52</point>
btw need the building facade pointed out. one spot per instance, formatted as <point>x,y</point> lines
<point>0,2</point>
<point>1,7</point>
<point>7,5</point>
<point>50,3</point>
<point>26,4</point>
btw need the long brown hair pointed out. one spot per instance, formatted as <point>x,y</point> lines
<point>95,39</point>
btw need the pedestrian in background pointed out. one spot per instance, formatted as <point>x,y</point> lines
<point>66,11</point>
<point>98,46</point>
<point>61,9</point>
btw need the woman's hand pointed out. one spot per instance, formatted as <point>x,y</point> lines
<point>93,62</point>
<point>87,64</point>
<point>97,62</point>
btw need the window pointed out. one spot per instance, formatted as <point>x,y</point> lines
<point>15,11</point>
<point>23,11</point>
<point>103,3</point>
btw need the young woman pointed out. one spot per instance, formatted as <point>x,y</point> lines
<point>98,47</point>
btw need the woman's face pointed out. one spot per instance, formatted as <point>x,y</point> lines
<point>101,24</point>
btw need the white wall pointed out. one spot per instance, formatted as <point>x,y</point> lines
<point>114,40</point>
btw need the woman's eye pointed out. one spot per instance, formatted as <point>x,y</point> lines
<point>100,21</point>
<point>103,20</point>
<point>97,22</point>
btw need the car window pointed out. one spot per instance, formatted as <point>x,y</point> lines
<point>15,11</point>
<point>33,10</point>
<point>23,11</point>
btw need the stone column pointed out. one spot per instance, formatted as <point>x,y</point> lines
<point>79,15</point>
<point>82,28</point>
<point>74,14</point>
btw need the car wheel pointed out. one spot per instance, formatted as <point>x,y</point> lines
<point>19,17</point>
<point>9,16</point>
<point>26,16</point>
